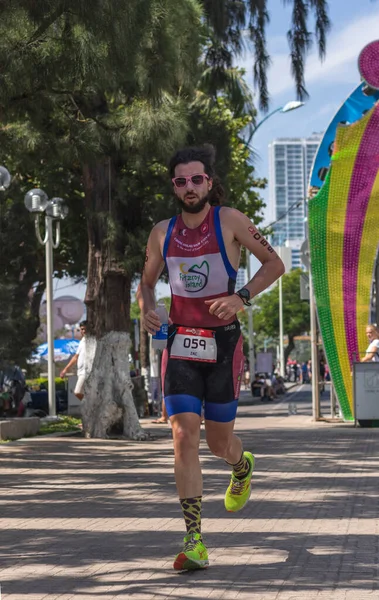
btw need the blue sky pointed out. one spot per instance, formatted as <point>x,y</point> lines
<point>354,24</point>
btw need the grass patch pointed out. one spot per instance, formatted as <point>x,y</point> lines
<point>64,425</point>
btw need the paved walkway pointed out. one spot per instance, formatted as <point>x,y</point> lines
<point>99,520</point>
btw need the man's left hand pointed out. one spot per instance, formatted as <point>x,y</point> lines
<point>225,308</point>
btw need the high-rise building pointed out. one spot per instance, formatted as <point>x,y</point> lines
<point>290,163</point>
<point>241,278</point>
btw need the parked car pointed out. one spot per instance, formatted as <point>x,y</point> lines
<point>38,403</point>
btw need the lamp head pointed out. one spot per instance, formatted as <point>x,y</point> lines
<point>57,209</point>
<point>5,179</point>
<point>36,201</point>
<point>293,105</point>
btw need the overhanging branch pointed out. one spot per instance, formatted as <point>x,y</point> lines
<point>46,23</point>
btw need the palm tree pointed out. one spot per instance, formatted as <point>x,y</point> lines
<point>239,22</point>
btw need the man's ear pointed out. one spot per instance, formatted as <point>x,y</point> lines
<point>210,184</point>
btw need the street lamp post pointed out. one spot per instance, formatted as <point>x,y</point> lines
<point>281,332</point>
<point>250,326</point>
<point>37,202</point>
<point>293,105</point>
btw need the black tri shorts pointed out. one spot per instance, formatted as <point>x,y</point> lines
<point>187,384</point>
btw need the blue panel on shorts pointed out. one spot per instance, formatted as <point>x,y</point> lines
<point>221,413</point>
<point>182,403</point>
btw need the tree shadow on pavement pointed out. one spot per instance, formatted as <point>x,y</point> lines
<point>100,518</point>
<point>88,564</point>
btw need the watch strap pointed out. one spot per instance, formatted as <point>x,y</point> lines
<point>241,295</point>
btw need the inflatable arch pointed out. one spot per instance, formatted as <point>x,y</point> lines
<point>343,221</point>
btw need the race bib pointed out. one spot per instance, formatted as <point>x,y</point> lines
<point>194,344</point>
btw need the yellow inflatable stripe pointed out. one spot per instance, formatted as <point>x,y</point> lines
<point>367,258</point>
<point>346,137</point>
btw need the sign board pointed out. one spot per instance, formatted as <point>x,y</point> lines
<point>263,362</point>
<point>366,391</point>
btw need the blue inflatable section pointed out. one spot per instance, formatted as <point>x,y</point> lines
<point>352,110</point>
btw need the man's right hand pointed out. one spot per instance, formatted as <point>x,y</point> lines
<point>151,322</point>
<point>62,374</point>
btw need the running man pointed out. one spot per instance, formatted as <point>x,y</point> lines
<point>204,360</point>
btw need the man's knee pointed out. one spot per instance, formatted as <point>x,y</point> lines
<point>186,435</point>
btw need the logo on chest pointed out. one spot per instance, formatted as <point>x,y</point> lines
<point>194,277</point>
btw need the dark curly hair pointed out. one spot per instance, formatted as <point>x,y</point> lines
<point>205,154</point>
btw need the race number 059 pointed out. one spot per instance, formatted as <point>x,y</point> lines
<point>194,344</point>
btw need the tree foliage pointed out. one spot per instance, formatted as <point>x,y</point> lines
<point>94,98</point>
<point>296,318</point>
<point>87,88</point>
<point>22,258</point>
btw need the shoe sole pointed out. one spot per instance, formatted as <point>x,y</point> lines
<point>183,563</point>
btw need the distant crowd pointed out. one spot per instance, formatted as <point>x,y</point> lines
<point>268,386</point>
<point>302,373</point>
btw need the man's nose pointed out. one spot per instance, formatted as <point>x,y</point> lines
<point>190,185</point>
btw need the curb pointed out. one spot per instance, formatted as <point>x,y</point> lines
<point>45,435</point>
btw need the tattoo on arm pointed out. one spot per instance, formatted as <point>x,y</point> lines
<point>257,236</point>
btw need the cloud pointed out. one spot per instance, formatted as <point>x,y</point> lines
<point>340,65</point>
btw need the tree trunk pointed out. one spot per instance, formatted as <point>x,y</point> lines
<point>35,304</point>
<point>107,393</point>
<point>108,396</point>
<point>288,349</point>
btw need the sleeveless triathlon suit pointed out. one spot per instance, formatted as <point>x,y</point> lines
<point>203,361</point>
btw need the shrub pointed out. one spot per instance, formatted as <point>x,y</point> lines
<point>60,384</point>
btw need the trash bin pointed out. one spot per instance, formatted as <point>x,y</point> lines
<point>366,393</point>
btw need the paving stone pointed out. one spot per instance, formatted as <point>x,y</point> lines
<point>99,519</point>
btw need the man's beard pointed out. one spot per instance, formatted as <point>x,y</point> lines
<point>194,209</point>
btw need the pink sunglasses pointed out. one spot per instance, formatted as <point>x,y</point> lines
<point>181,182</point>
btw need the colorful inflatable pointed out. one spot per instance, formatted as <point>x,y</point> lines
<point>344,226</point>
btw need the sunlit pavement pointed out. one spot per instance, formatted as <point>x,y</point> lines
<point>94,519</point>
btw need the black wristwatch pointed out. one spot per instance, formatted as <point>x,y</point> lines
<point>244,294</point>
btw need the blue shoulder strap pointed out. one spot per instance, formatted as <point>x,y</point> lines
<point>171,226</point>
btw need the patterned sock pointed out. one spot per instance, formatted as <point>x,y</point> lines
<point>191,508</point>
<point>242,468</point>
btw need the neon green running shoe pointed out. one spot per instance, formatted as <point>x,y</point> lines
<point>194,554</point>
<point>239,490</point>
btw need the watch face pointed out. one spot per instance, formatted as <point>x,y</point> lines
<point>245,294</point>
